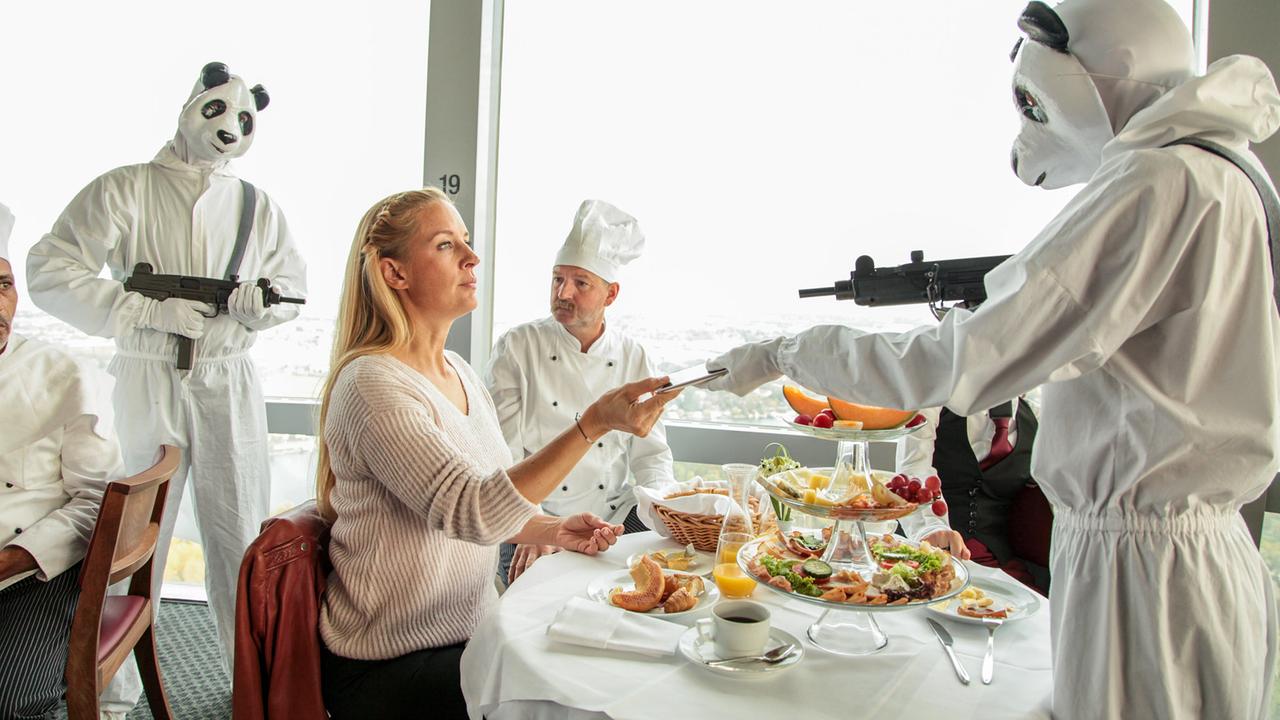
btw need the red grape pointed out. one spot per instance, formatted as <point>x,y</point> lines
<point>933,483</point>
<point>804,420</point>
<point>939,508</point>
<point>823,421</point>
<point>914,485</point>
<point>828,412</point>
<point>918,419</point>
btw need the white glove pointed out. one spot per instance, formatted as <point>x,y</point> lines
<point>175,316</point>
<point>750,366</point>
<point>247,306</point>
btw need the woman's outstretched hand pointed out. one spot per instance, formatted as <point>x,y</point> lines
<point>586,533</point>
<point>622,409</point>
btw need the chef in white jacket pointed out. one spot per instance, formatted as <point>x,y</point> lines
<point>1145,309</point>
<point>58,451</point>
<point>543,373</point>
<point>180,213</point>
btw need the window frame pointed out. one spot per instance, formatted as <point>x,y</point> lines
<point>464,76</point>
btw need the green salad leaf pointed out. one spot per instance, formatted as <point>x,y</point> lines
<point>799,583</point>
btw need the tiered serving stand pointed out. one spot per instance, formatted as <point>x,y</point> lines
<point>844,628</point>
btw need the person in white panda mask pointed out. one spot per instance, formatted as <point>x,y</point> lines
<point>1146,310</point>
<point>182,213</point>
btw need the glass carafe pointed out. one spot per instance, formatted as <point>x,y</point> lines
<point>737,517</point>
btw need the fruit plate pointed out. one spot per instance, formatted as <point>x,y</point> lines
<point>1020,600</point>
<point>600,588</point>
<point>749,552</point>
<point>836,433</point>
<point>839,512</point>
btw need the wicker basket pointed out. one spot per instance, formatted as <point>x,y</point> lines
<point>701,531</point>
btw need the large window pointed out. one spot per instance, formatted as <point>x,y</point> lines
<point>762,149</point>
<point>92,86</point>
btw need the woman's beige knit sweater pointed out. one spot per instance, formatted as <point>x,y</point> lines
<point>422,499</point>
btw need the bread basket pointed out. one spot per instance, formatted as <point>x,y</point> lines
<point>701,531</point>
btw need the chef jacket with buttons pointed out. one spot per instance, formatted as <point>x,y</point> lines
<point>541,380</point>
<point>57,453</point>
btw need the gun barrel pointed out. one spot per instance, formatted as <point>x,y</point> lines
<point>295,301</point>
<point>817,292</point>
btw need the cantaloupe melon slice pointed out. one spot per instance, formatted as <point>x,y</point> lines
<point>802,403</point>
<point>872,418</point>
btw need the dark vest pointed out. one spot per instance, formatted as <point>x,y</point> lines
<point>979,500</point>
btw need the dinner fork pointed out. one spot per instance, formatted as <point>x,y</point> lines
<point>989,661</point>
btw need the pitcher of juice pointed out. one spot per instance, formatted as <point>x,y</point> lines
<point>732,581</point>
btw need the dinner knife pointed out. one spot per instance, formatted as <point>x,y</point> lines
<point>944,637</point>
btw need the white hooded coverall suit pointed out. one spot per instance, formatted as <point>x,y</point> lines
<point>180,214</point>
<point>1145,309</point>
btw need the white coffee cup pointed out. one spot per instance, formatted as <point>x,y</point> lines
<point>738,628</point>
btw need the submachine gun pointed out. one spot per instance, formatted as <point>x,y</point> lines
<point>919,281</point>
<point>212,291</point>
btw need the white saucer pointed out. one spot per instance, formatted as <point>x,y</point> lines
<point>1021,601</point>
<point>600,587</point>
<point>699,652</point>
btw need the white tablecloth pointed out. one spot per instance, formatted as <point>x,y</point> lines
<point>512,669</point>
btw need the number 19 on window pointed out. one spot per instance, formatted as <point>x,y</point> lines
<point>450,184</point>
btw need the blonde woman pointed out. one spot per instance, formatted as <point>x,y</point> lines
<point>414,472</point>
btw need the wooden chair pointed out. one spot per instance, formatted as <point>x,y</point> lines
<point>106,628</point>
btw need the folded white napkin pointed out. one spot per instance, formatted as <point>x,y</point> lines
<point>594,624</point>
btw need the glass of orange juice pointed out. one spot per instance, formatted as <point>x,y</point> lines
<point>730,578</point>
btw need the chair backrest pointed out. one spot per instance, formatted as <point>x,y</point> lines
<point>124,538</point>
<point>122,545</point>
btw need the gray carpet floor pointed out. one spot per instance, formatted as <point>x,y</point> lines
<point>198,689</point>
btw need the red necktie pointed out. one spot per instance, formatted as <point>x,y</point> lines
<point>1000,447</point>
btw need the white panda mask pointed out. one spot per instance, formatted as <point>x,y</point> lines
<point>1084,70</point>
<point>1064,124</point>
<point>219,121</point>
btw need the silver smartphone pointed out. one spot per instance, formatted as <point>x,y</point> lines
<point>695,375</point>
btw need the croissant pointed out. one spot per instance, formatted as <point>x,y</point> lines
<point>674,582</point>
<point>649,586</point>
<point>680,601</point>
<point>670,586</point>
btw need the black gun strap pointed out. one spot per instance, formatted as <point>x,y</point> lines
<point>246,226</point>
<point>1270,203</point>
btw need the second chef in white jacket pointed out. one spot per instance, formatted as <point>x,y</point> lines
<point>544,372</point>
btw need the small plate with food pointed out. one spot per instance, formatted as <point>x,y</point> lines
<point>681,559</point>
<point>647,588</point>
<point>989,598</point>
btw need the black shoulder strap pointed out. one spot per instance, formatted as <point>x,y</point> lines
<point>1270,203</point>
<point>1003,410</point>
<point>247,209</point>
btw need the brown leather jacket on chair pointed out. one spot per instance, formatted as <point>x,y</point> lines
<point>277,656</point>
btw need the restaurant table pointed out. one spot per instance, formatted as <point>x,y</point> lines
<point>511,669</point>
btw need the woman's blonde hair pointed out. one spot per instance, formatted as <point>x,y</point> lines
<point>371,319</point>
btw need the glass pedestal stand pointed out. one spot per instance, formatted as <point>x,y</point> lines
<point>843,628</point>
<point>848,629</point>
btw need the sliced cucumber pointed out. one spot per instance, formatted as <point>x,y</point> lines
<point>816,569</point>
